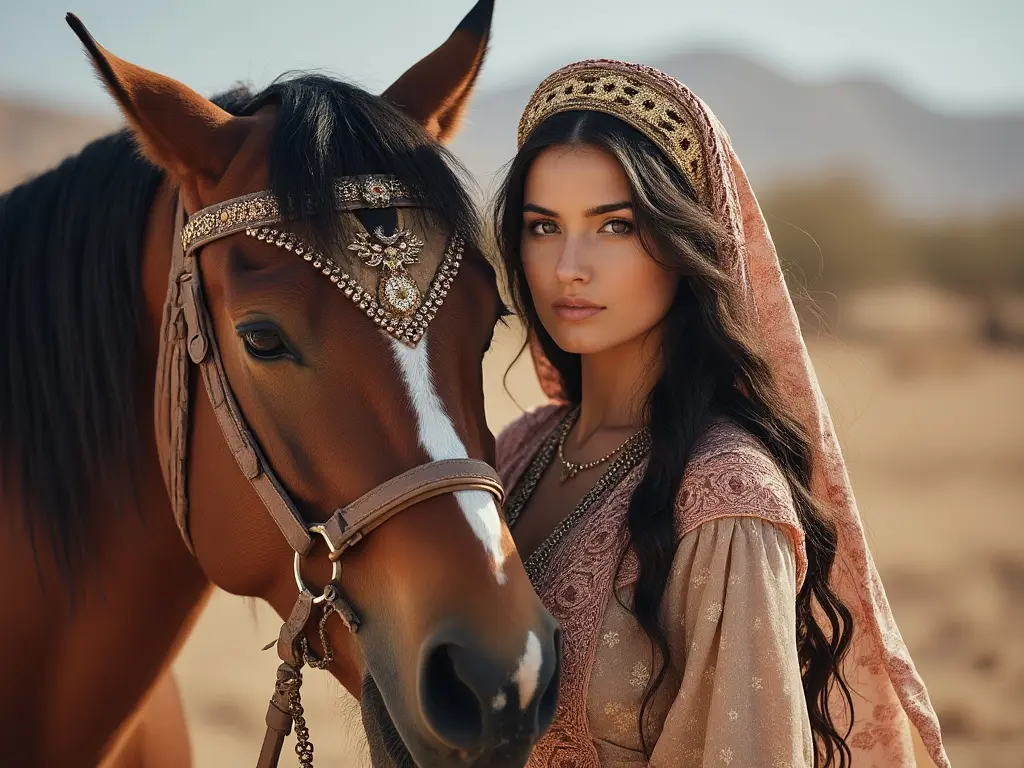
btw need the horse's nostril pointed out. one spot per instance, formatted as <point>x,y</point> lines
<point>450,706</point>
<point>549,697</point>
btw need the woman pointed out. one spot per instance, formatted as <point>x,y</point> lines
<point>683,506</point>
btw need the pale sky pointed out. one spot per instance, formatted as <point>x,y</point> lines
<point>956,56</point>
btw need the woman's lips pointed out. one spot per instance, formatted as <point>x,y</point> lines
<point>576,309</point>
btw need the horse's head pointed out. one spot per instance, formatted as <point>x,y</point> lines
<point>334,369</point>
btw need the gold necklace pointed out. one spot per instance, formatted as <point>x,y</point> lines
<point>536,564</point>
<point>571,468</point>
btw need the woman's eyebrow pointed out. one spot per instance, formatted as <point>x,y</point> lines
<point>531,208</point>
<point>608,208</point>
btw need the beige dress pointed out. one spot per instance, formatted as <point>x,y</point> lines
<point>733,696</point>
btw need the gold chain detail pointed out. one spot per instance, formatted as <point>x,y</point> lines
<point>303,746</point>
<point>571,468</point>
<point>408,329</point>
<point>309,657</point>
<point>629,457</point>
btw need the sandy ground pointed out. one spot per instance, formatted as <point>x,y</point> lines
<point>935,444</point>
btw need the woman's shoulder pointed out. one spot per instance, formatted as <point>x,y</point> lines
<point>519,439</point>
<point>732,474</point>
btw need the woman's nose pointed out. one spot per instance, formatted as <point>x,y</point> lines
<point>572,267</point>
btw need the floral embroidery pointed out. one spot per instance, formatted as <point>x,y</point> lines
<point>725,755</point>
<point>756,683</point>
<point>872,663</point>
<point>758,621</point>
<point>639,676</point>
<point>622,718</point>
<point>734,715</point>
<point>701,577</point>
<point>886,712</point>
<point>610,639</point>
<point>714,611</point>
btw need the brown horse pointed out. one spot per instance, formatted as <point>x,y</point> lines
<point>455,654</point>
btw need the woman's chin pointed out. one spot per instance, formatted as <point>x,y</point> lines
<point>583,341</point>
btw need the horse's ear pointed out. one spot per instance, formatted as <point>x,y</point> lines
<point>435,90</point>
<point>178,129</point>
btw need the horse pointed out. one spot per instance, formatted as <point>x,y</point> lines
<point>339,338</point>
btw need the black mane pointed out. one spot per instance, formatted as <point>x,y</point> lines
<point>326,129</point>
<point>71,293</point>
<point>70,286</point>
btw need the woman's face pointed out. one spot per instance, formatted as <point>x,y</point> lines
<point>594,286</point>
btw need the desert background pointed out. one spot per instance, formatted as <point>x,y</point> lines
<point>901,224</point>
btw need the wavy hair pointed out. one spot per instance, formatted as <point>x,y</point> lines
<point>710,368</point>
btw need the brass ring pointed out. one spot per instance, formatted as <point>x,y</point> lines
<point>297,568</point>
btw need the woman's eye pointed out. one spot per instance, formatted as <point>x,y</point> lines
<point>544,227</point>
<point>264,343</point>
<point>617,227</point>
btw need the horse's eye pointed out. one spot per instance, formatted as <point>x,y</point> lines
<point>264,343</point>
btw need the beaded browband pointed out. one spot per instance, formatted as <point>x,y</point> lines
<point>398,305</point>
<point>261,208</point>
<point>635,97</point>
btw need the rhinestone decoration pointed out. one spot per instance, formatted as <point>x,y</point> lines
<point>392,253</point>
<point>376,193</point>
<point>399,307</point>
<point>407,325</point>
<point>262,208</point>
<point>636,98</point>
<point>400,294</point>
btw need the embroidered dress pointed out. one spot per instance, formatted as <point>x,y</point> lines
<point>730,601</point>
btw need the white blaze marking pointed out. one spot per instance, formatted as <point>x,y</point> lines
<point>527,675</point>
<point>438,437</point>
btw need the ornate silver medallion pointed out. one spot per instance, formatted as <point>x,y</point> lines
<point>376,193</point>
<point>397,292</point>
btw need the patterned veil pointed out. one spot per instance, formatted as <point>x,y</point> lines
<point>888,693</point>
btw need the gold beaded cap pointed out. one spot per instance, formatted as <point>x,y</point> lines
<point>635,95</point>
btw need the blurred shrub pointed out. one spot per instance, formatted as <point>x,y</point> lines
<point>837,235</point>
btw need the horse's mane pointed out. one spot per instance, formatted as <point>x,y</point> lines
<point>72,305</point>
<point>70,264</point>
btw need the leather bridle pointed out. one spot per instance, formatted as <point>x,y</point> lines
<point>187,337</point>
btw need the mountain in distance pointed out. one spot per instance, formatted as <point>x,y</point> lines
<point>923,162</point>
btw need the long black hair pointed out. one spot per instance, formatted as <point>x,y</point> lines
<point>710,368</point>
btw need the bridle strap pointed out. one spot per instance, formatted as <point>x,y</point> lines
<point>171,398</point>
<point>203,351</point>
<point>187,334</point>
<point>348,525</point>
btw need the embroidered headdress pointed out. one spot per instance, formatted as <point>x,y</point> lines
<point>886,686</point>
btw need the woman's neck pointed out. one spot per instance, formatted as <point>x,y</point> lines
<point>615,385</point>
